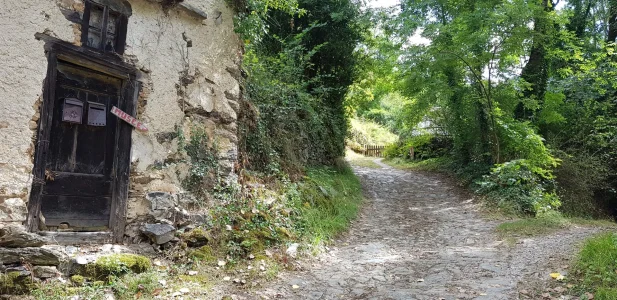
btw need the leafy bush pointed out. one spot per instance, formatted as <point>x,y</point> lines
<point>291,125</point>
<point>425,146</point>
<point>520,187</point>
<point>579,177</point>
<point>519,140</point>
<point>296,79</point>
<point>395,151</point>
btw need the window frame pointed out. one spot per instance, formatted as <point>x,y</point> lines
<point>121,28</point>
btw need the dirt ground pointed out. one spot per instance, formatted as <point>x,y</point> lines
<point>421,237</point>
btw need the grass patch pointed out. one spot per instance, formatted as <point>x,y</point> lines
<point>439,164</point>
<point>331,199</point>
<point>361,160</point>
<point>128,287</point>
<point>533,226</point>
<point>124,288</point>
<point>545,224</point>
<point>597,262</point>
<point>595,270</point>
<point>606,294</point>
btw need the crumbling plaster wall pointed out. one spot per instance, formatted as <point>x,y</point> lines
<point>187,87</point>
<point>182,87</point>
<point>23,67</point>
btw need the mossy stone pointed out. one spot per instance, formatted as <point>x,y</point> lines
<point>197,237</point>
<point>117,264</point>
<point>204,253</point>
<point>78,280</point>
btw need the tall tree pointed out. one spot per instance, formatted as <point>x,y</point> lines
<point>612,21</point>
<point>536,71</point>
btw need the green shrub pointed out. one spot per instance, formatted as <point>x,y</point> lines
<point>520,187</point>
<point>579,177</point>
<point>425,146</point>
<point>204,173</point>
<point>395,151</point>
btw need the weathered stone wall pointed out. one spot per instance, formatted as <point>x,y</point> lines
<point>183,88</point>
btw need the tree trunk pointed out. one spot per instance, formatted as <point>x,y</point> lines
<point>612,21</point>
<point>579,20</point>
<point>535,71</point>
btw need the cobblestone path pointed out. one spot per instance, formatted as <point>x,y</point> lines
<point>419,237</point>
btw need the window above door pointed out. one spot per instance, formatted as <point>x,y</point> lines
<point>104,25</point>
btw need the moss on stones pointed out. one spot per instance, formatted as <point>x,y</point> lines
<point>116,265</point>
<point>78,280</point>
<point>15,283</point>
<point>197,237</point>
<point>204,253</point>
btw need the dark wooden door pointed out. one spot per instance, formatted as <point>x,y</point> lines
<point>80,159</point>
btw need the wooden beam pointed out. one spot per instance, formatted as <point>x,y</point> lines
<point>122,164</point>
<point>76,238</point>
<point>42,144</point>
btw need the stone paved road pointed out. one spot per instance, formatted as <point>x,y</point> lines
<point>418,237</point>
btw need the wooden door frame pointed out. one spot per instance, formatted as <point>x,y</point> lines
<point>101,62</point>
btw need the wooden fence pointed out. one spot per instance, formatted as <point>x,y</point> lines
<point>373,150</point>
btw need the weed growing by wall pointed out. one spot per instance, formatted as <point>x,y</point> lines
<point>204,171</point>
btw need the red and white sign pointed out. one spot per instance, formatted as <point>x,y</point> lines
<point>129,119</point>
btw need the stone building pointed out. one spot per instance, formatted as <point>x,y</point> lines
<point>97,97</point>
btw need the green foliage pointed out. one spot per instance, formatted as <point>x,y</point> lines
<point>369,133</point>
<point>296,80</point>
<point>252,15</point>
<point>425,146</point>
<point>522,142</point>
<point>520,187</point>
<point>127,287</point>
<point>469,83</point>
<point>254,225</point>
<point>15,284</point>
<point>596,264</point>
<point>78,280</point>
<point>204,173</point>
<point>56,290</point>
<point>314,209</point>
<point>606,294</point>
<point>204,253</point>
<point>578,177</point>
